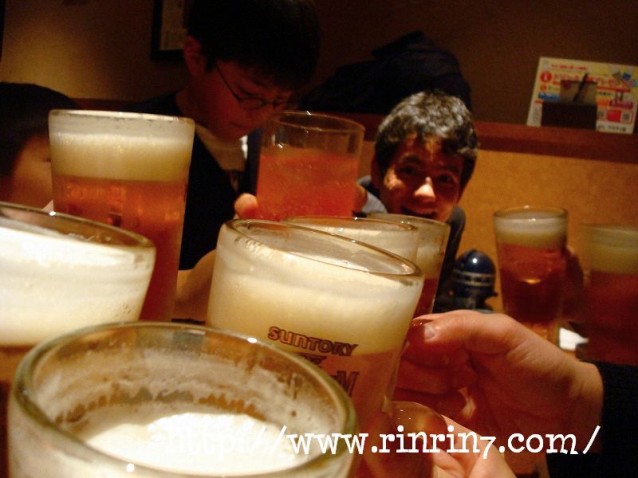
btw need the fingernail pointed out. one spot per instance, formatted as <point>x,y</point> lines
<point>429,331</point>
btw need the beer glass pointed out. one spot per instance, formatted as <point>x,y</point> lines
<point>344,305</point>
<point>610,315</point>
<point>308,164</point>
<point>58,273</point>
<point>531,245</point>
<point>152,400</point>
<point>129,170</point>
<point>430,253</point>
<point>401,239</point>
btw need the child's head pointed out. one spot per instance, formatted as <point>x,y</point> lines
<point>277,38</point>
<point>246,58</point>
<point>425,152</point>
<point>25,163</point>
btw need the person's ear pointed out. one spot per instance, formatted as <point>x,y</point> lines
<point>194,59</point>
<point>376,174</point>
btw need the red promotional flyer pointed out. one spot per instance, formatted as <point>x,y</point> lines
<point>616,93</point>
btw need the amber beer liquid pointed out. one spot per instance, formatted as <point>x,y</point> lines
<point>531,247</point>
<point>343,305</point>
<point>309,164</point>
<point>610,263</point>
<point>129,171</point>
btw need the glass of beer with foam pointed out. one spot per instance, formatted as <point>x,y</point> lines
<point>128,170</point>
<point>59,273</point>
<point>308,164</point>
<point>610,314</point>
<point>164,400</point>
<point>430,253</point>
<point>531,245</point>
<point>340,303</point>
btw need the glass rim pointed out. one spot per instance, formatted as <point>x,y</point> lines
<point>23,385</point>
<point>527,212</point>
<point>611,234</point>
<point>351,222</point>
<point>407,268</point>
<point>407,219</point>
<point>49,221</point>
<point>119,115</point>
<point>288,117</point>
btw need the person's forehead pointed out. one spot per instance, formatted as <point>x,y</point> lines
<point>257,77</point>
<point>430,149</point>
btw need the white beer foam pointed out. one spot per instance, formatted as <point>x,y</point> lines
<point>539,233</point>
<point>613,249</point>
<point>52,283</point>
<point>110,156</point>
<point>196,443</point>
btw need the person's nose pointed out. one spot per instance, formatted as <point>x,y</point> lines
<point>426,190</point>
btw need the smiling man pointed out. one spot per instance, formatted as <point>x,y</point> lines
<point>245,59</point>
<point>425,152</point>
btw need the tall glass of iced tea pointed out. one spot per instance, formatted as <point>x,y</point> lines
<point>128,170</point>
<point>531,245</point>
<point>59,273</point>
<point>610,263</point>
<point>308,164</point>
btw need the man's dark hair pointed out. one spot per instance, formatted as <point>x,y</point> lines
<point>278,38</point>
<point>24,112</point>
<point>429,114</point>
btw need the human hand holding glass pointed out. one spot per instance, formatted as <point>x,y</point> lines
<point>484,372</point>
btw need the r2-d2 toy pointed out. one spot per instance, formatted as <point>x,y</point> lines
<point>473,281</point>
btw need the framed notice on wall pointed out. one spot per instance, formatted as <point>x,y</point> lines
<point>616,91</point>
<point>169,28</point>
<point>2,5</point>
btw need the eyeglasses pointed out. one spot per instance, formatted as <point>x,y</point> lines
<point>250,102</point>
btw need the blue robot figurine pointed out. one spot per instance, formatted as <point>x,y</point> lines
<point>473,281</point>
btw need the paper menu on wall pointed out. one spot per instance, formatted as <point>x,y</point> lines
<point>616,92</point>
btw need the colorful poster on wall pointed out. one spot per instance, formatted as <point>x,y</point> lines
<point>616,91</point>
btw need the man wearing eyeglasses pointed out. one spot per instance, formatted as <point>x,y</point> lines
<point>245,59</point>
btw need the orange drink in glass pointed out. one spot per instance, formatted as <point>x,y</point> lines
<point>308,165</point>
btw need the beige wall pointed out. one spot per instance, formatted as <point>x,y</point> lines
<point>100,48</point>
<point>85,48</point>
